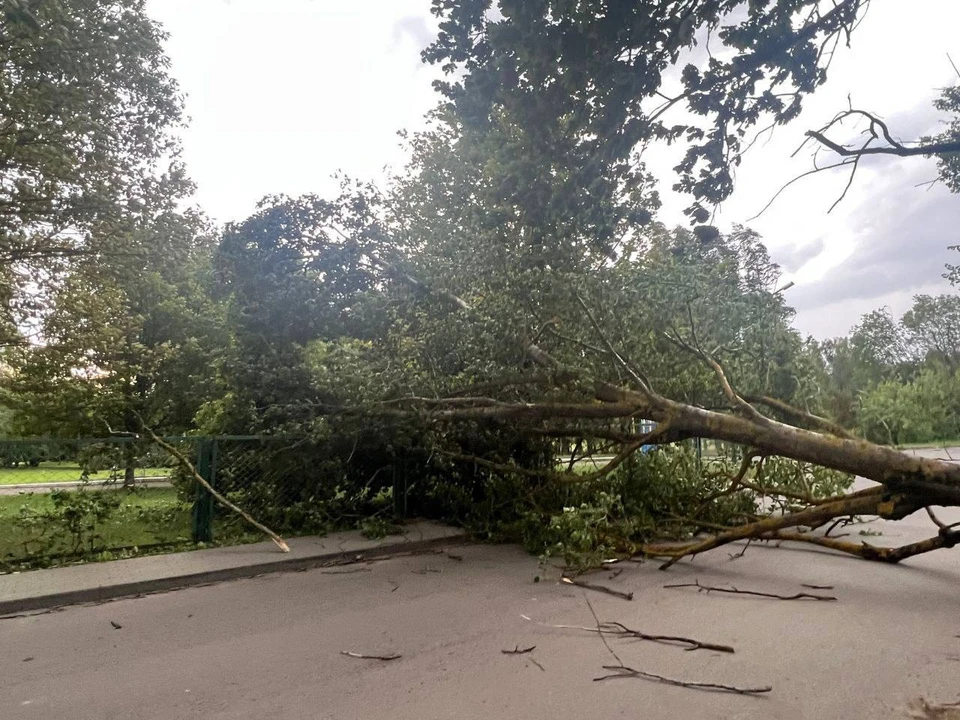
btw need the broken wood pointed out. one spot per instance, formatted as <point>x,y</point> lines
<point>519,651</point>
<point>384,658</point>
<point>621,629</point>
<point>598,588</point>
<point>622,671</point>
<point>188,466</point>
<point>734,591</point>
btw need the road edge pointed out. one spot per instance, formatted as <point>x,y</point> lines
<point>103,593</point>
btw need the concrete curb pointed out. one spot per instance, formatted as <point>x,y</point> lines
<point>288,563</point>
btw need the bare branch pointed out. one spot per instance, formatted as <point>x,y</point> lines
<point>801,417</point>
<point>384,658</point>
<point>188,466</point>
<point>519,651</point>
<point>621,671</point>
<point>598,588</point>
<point>735,591</point>
<point>736,402</point>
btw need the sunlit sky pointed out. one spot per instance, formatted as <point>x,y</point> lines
<point>283,93</point>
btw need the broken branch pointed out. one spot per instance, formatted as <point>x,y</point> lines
<point>599,588</point>
<point>188,466</point>
<point>519,651</point>
<point>621,629</point>
<point>734,591</point>
<point>621,671</point>
<point>384,658</point>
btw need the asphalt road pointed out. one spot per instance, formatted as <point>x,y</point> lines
<point>270,647</point>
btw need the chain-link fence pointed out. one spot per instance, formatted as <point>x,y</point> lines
<point>71,500</point>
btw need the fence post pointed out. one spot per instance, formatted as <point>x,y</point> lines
<point>203,501</point>
<point>400,489</point>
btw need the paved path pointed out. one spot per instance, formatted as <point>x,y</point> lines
<point>45,487</point>
<point>270,647</point>
<point>92,582</point>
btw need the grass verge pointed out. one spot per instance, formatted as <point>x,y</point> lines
<point>144,517</point>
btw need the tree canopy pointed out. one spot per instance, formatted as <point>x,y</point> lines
<point>89,143</point>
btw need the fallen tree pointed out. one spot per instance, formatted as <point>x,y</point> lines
<point>907,483</point>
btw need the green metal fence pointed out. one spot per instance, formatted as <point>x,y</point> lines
<point>65,500</point>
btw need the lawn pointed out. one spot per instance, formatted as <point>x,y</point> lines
<point>144,517</point>
<point>62,472</point>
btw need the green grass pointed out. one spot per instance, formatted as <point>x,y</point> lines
<point>62,472</point>
<point>136,522</point>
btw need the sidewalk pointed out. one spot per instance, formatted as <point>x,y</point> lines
<point>95,582</point>
<point>45,487</point>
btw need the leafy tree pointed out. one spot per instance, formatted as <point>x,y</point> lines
<point>87,144</point>
<point>880,346</point>
<point>924,409</point>
<point>933,328</point>
<point>124,342</point>
<point>581,85</point>
<point>949,162</point>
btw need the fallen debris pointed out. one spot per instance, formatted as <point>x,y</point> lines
<point>622,671</point>
<point>735,591</point>
<point>189,468</point>
<point>542,668</point>
<point>458,558</point>
<point>384,658</point>
<point>518,651</point>
<point>621,629</point>
<point>599,588</point>
<point>116,626</point>
<point>817,587</point>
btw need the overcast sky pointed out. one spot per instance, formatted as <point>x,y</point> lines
<point>283,93</point>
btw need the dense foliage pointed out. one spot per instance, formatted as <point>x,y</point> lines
<point>516,262</point>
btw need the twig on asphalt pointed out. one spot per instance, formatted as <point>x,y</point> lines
<point>598,588</point>
<point>817,587</point>
<point>734,591</point>
<point>603,638</point>
<point>519,651</point>
<point>458,558</point>
<point>345,572</point>
<point>737,556</point>
<point>385,658</point>
<point>621,671</point>
<point>621,629</point>
<point>538,665</point>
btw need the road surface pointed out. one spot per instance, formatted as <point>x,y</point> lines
<point>270,647</point>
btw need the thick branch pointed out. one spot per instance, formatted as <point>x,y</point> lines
<point>800,417</point>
